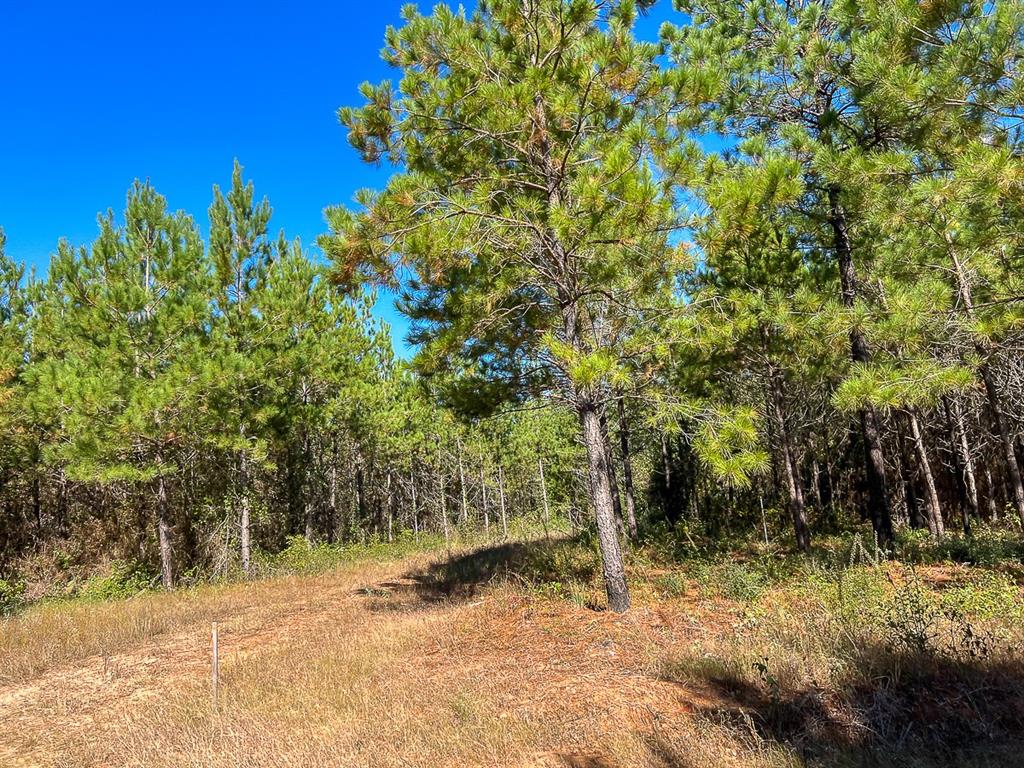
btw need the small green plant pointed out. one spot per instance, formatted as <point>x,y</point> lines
<point>767,679</point>
<point>12,596</point>
<point>992,596</point>
<point>671,584</point>
<point>744,582</point>
<point>125,579</point>
<point>910,618</point>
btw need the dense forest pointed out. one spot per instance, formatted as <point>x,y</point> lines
<point>760,275</point>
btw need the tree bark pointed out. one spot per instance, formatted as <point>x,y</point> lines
<point>163,527</point>
<point>936,526</point>
<point>797,507</point>
<point>962,450</point>
<point>464,509</point>
<point>627,471</point>
<point>874,460</point>
<point>914,517</point>
<point>501,495</point>
<point>1013,475</point>
<point>245,517</point>
<point>544,495</point>
<point>597,462</point>
<point>483,493</point>
<point>415,506</point>
<point>613,480</point>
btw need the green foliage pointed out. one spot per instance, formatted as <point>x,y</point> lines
<point>989,596</point>
<point>12,595</point>
<point>124,579</point>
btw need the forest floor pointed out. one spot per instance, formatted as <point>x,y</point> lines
<point>486,658</point>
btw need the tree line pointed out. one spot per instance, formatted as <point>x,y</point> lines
<point>788,232</point>
<point>763,271</point>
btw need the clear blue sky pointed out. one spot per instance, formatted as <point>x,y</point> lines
<point>95,95</point>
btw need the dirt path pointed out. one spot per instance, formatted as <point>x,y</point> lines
<point>499,679</point>
<point>86,698</point>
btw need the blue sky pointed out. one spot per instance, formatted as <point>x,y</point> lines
<point>96,95</point>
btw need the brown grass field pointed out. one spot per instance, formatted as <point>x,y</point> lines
<point>426,661</point>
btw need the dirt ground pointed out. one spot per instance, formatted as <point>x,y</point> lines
<point>366,666</point>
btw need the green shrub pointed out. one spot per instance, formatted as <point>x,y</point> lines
<point>744,582</point>
<point>300,556</point>
<point>12,596</point>
<point>125,579</point>
<point>992,596</point>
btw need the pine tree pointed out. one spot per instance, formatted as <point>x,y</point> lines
<point>240,251</point>
<point>121,329</point>
<point>529,208</point>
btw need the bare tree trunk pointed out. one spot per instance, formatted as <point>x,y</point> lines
<point>332,524</point>
<point>935,524</point>
<point>669,501</point>
<point>962,451</point>
<point>627,471</point>
<point>990,495</point>
<point>308,510</point>
<point>415,506</point>
<point>163,528</point>
<point>797,507</point>
<point>501,495</point>
<point>1013,475</point>
<point>443,498</point>
<point>464,510</point>
<point>874,461</point>
<point>544,495</point>
<point>991,390</point>
<point>483,492</point>
<point>390,501</point>
<point>611,553</point>
<point>914,518</point>
<point>245,522</point>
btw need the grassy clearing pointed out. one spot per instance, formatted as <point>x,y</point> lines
<point>496,656</point>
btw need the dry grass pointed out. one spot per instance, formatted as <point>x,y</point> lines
<point>425,662</point>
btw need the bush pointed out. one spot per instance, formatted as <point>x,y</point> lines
<point>125,579</point>
<point>12,596</point>
<point>992,596</point>
<point>744,582</point>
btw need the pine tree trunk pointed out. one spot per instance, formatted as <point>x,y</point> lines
<point>443,494</point>
<point>990,495</point>
<point>245,522</point>
<point>544,495</point>
<point>936,526</point>
<point>797,507</point>
<point>669,499</point>
<point>627,472</point>
<point>613,480</point>
<point>390,501</point>
<point>914,518</point>
<point>501,495</point>
<point>991,390</point>
<point>611,553</point>
<point>1013,475</point>
<point>464,509</point>
<point>332,524</point>
<point>962,451</point>
<point>163,527</point>
<point>483,493</point>
<point>415,505</point>
<point>874,460</point>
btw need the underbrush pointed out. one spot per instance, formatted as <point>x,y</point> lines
<point>864,663</point>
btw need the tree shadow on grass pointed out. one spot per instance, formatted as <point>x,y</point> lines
<point>460,576</point>
<point>913,710</point>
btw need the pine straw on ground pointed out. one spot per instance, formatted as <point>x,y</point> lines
<point>376,664</point>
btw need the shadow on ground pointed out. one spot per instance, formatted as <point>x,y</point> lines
<point>912,710</point>
<point>461,575</point>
